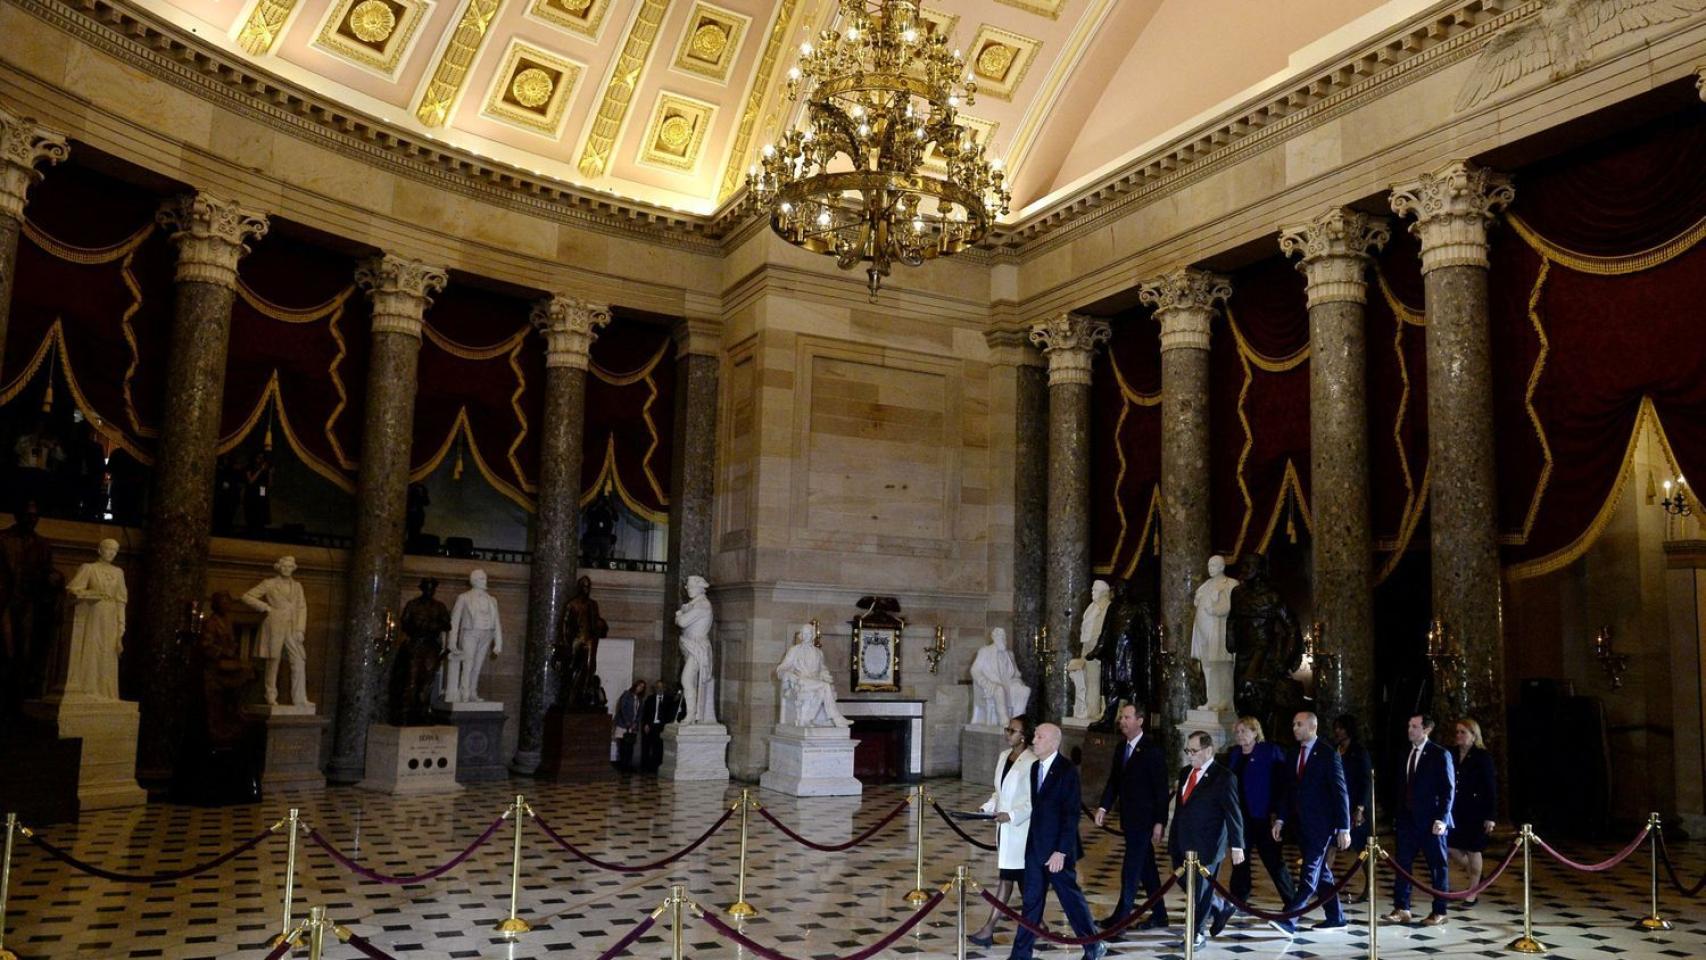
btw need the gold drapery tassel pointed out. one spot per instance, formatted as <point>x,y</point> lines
<point>456,471</point>
<point>266,438</point>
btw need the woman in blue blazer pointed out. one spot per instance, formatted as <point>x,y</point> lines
<point>1261,768</point>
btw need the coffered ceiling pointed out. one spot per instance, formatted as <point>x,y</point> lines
<point>666,101</point>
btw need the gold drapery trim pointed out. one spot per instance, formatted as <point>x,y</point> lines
<point>1407,529</point>
<point>465,352</point>
<point>1601,266</point>
<point>1546,462</point>
<point>1403,311</point>
<point>643,372</point>
<point>461,427</point>
<point>53,342</point>
<point>273,396</point>
<point>332,311</point>
<point>284,314</point>
<point>610,479</point>
<point>510,349</point>
<point>1411,512</point>
<point>1248,356</point>
<point>71,253</point>
<point>1291,484</point>
<point>1128,397</point>
<point>520,419</point>
<point>1270,364</point>
<point>1144,537</point>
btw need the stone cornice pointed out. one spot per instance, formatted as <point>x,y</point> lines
<point>211,234</point>
<point>1009,339</point>
<point>1334,249</point>
<point>23,145</point>
<point>699,334</point>
<point>569,324</point>
<point>401,290</point>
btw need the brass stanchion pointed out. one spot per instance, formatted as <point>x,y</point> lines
<point>1526,943</point>
<point>1651,922</point>
<point>917,895</point>
<point>284,931</point>
<point>1372,849</point>
<point>677,897</point>
<point>316,932</point>
<point>961,878</point>
<point>1192,865</point>
<point>740,909</point>
<point>513,925</point>
<point>6,884</point>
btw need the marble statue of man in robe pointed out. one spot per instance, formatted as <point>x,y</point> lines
<point>282,632</point>
<point>476,633</point>
<point>1085,670</point>
<point>698,684</point>
<point>807,687</point>
<point>1208,632</point>
<point>1000,695</point>
<point>97,627</point>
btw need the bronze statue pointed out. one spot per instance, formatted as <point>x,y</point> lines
<point>29,608</point>
<point>425,621</point>
<point>223,675</point>
<point>577,650</point>
<point>1126,650</point>
<point>1265,640</point>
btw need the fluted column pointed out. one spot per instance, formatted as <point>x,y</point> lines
<point>401,290</point>
<point>1453,207</point>
<point>693,462</point>
<point>23,145</point>
<point>569,326</point>
<point>1334,250</point>
<point>1068,342</point>
<point>211,236</point>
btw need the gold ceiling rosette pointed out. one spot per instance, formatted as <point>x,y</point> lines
<point>881,89</point>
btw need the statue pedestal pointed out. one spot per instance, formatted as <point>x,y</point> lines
<point>479,737</point>
<point>811,762</point>
<point>1217,679</point>
<point>980,750</point>
<point>695,751</point>
<point>410,761</point>
<point>1096,753</point>
<point>1216,723</point>
<point>292,753</point>
<point>106,780</point>
<point>577,748</point>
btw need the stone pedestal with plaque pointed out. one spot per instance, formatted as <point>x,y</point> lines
<point>695,751</point>
<point>410,761</point>
<point>980,750</point>
<point>577,748</point>
<point>812,762</point>
<point>479,739</point>
<point>291,760</point>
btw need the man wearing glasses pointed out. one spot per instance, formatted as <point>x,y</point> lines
<point>1206,819</point>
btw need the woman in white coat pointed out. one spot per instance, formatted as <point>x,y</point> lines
<point>1011,804</point>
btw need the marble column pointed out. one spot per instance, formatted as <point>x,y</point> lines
<point>1010,347</point>
<point>23,145</point>
<point>693,463</point>
<point>1184,303</point>
<point>210,234</point>
<point>1068,342</point>
<point>1453,207</point>
<point>1334,250</point>
<point>569,326</point>
<point>401,290</point>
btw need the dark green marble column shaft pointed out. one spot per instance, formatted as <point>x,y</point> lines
<point>693,461</point>
<point>1030,517</point>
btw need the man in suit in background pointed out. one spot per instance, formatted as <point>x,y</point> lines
<point>1053,848</point>
<point>1424,816</point>
<point>1207,819</point>
<point>1138,780</point>
<point>660,709</point>
<point>1319,803</point>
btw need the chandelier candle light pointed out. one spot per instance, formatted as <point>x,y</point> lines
<point>882,93</point>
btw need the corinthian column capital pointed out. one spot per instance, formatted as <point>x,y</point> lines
<point>401,290</point>
<point>1068,341</point>
<point>1184,304</point>
<point>1452,207</point>
<point>569,324</point>
<point>23,144</point>
<point>1334,247</point>
<point>211,234</point>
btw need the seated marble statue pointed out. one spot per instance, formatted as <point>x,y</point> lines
<point>998,695</point>
<point>808,690</point>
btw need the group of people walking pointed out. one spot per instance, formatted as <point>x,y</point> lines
<point>1228,808</point>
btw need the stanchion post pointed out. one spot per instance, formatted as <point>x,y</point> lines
<point>917,895</point>
<point>1372,848</point>
<point>740,909</point>
<point>1526,943</point>
<point>316,932</point>
<point>514,925</point>
<point>1191,865</point>
<point>284,932</point>
<point>1652,922</point>
<point>677,897</point>
<point>6,884</point>
<point>961,878</point>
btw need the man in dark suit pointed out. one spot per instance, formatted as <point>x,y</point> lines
<point>660,709</point>
<point>1424,816</point>
<point>1207,819</point>
<point>1318,802</point>
<point>1138,780</point>
<point>1053,848</point>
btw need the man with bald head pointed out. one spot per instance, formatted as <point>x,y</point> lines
<point>1053,848</point>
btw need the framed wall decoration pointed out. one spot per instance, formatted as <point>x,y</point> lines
<point>876,645</point>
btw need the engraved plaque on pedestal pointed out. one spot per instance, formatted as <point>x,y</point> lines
<point>479,738</point>
<point>409,761</point>
<point>292,754</point>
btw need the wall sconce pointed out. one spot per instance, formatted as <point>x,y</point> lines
<point>1043,649</point>
<point>1316,661</point>
<point>1614,663</point>
<point>937,648</point>
<point>1676,498</point>
<point>1442,650</point>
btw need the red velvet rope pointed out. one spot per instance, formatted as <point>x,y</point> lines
<point>760,950</point>
<point>981,845</point>
<point>1307,908</point>
<point>580,854</point>
<point>365,947</point>
<point>834,847</point>
<point>167,876</point>
<point>1670,868</point>
<point>278,952</point>
<point>1108,933</point>
<point>1470,893</point>
<point>623,944</point>
<point>377,877</point>
<point>1601,866</point>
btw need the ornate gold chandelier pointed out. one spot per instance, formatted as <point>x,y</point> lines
<point>882,171</point>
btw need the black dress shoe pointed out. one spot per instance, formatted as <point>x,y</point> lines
<point>1109,920</point>
<point>988,941</point>
<point>1218,922</point>
<point>1155,922</point>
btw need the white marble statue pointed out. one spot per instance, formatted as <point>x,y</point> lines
<point>476,633</point>
<point>698,683</point>
<point>97,627</point>
<point>281,599</point>
<point>808,690</point>
<point>1086,677</point>
<point>1208,632</point>
<point>1090,633</point>
<point>998,695</point>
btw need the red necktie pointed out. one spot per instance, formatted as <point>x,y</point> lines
<point>1191,784</point>
<point>1302,758</point>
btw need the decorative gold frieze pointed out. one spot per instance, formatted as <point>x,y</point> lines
<point>459,53</point>
<point>711,41</point>
<point>676,132</point>
<point>999,60</point>
<point>1042,8</point>
<point>264,25</point>
<point>372,33</point>
<point>619,92</point>
<point>532,89</point>
<point>734,169</point>
<point>584,17</point>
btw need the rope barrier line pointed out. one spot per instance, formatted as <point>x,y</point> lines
<point>1670,868</point>
<point>1601,866</point>
<point>1107,933</point>
<point>362,945</point>
<point>579,854</point>
<point>640,929</point>
<point>760,950</point>
<point>375,876</point>
<point>981,845</point>
<point>167,876</point>
<point>278,952</point>
<point>836,847</point>
<point>1306,909</point>
<point>1475,891</point>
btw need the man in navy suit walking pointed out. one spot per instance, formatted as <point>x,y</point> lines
<point>1320,805</point>
<point>1424,816</point>
<point>1208,819</point>
<point>1053,848</point>
<point>1138,781</point>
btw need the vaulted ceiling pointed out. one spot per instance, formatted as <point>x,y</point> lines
<point>666,101</point>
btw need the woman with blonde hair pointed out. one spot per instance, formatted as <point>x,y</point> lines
<point>1011,804</point>
<point>1475,804</point>
<point>1261,768</point>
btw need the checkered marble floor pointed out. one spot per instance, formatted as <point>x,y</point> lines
<point>811,904</point>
